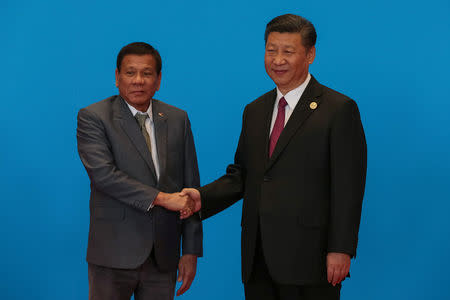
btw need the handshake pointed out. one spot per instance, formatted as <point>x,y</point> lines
<point>187,202</point>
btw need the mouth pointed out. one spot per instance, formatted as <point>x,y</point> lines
<point>137,92</point>
<point>279,72</point>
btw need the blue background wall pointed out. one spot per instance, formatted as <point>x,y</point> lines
<point>392,57</point>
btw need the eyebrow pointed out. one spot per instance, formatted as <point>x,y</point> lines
<point>282,47</point>
<point>145,69</point>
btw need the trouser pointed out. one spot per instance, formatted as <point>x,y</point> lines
<point>261,286</point>
<point>146,282</point>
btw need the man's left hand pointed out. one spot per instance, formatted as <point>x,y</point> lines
<point>186,272</point>
<point>338,266</point>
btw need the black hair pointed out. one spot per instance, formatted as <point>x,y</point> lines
<point>139,48</point>
<point>292,23</point>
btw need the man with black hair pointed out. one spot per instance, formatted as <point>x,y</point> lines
<point>135,229</point>
<point>300,167</point>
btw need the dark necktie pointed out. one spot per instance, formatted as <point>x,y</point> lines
<point>141,120</point>
<point>278,126</point>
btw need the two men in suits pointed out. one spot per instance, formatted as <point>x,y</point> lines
<point>137,151</point>
<point>300,167</point>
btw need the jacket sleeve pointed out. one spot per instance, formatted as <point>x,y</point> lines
<point>229,188</point>
<point>95,152</point>
<point>192,227</point>
<point>348,164</point>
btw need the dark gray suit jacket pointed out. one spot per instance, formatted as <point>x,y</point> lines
<point>123,185</point>
<point>306,198</point>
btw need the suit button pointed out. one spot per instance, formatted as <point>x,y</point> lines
<point>267,178</point>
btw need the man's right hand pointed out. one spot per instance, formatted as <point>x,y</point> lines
<point>194,195</point>
<point>174,202</point>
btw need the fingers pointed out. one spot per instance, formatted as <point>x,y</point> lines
<point>181,277</point>
<point>190,203</point>
<point>186,273</point>
<point>188,209</point>
<point>335,275</point>
<point>345,271</point>
<point>187,281</point>
<point>198,204</point>
<point>193,194</point>
<point>338,266</point>
<point>180,272</point>
<point>187,202</point>
<point>193,203</point>
<point>337,278</point>
<point>181,202</point>
<point>330,273</point>
<point>185,213</point>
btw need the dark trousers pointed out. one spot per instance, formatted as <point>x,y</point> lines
<point>262,287</point>
<point>146,282</point>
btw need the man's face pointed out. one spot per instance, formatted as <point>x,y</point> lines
<point>287,60</point>
<point>138,80</point>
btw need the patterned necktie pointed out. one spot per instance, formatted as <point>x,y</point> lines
<point>278,126</point>
<point>141,120</point>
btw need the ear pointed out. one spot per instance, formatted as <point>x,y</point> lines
<point>158,81</point>
<point>117,78</point>
<point>311,55</point>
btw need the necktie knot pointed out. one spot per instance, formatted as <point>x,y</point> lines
<point>141,119</point>
<point>282,103</point>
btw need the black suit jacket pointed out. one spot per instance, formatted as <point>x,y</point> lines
<point>307,197</point>
<point>123,185</point>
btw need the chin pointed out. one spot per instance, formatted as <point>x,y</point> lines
<point>279,83</point>
<point>139,99</point>
<point>278,79</point>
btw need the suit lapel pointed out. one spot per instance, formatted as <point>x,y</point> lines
<point>131,128</point>
<point>300,114</point>
<point>160,125</point>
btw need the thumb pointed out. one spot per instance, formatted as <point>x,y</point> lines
<point>184,192</point>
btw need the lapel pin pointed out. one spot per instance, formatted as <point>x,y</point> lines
<point>313,105</point>
<point>161,114</point>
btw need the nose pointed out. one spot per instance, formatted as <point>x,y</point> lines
<point>279,59</point>
<point>139,79</point>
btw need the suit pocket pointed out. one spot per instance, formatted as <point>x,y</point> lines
<point>108,213</point>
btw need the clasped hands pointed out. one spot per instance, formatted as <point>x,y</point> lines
<point>187,202</point>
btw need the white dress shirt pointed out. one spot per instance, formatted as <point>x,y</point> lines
<point>151,133</point>
<point>292,98</point>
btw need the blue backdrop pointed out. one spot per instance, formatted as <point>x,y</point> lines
<point>392,57</point>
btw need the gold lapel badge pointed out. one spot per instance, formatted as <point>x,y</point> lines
<point>161,114</point>
<point>313,105</point>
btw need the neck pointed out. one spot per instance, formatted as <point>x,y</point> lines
<point>142,107</point>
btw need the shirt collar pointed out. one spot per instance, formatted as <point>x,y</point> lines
<point>292,97</point>
<point>134,111</point>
